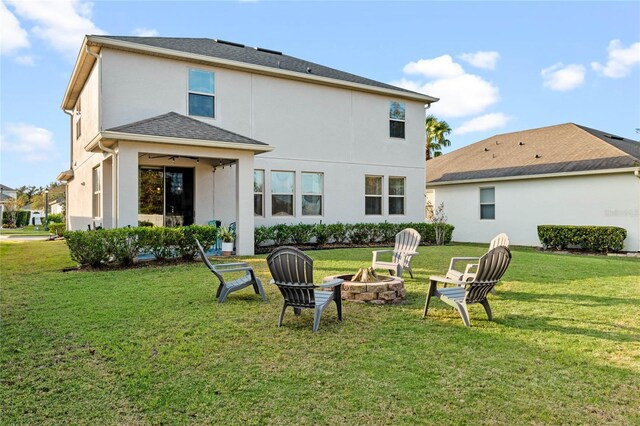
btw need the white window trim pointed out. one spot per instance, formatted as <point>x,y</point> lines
<point>321,194</point>
<point>264,183</point>
<point>214,95</point>
<point>381,196</point>
<point>78,115</point>
<point>98,192</point>
<point>403,196</point>
<point>293,194</point>
<point>480,204</point>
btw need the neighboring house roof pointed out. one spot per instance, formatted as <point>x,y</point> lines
<point>174,125</point>
<point>224,53</point>
<point>6,188</point>
<point>562,148</point>
<point>5,197</point>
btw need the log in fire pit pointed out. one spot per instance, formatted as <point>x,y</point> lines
<point>365,286</point>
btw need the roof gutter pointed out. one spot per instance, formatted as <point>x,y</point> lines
<point>102,137</point>
<point>258,69</point>
<point>635,170</point>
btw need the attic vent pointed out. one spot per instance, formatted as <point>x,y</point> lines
<point>538,156</point>
<point>230,43</point>
<point>521,143</point>
<point>497,143</point>
<point>309,70</point>
<point>486,149</point>
<point>262,49</point>
<point>618,138</point>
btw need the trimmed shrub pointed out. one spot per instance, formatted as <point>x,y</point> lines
<point>261,234</point>
<point>301,233</point>
<point>601,239</point>
<point>122,245</point>
<point>161,241</point>
<point>187,247</point>
<point>58,228</point>
<point>359,233</point>
<point>322,234</point>
<point>56,218</point>
<point>281,234</point>
<point>88,248</point>
<point>339,233</point>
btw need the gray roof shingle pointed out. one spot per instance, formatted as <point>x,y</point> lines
<point>174,125</point>
<point>254,56</point>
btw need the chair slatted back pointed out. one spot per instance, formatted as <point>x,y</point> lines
<point>491,267</point>
<point>292,272</point>
<point>499,240</point>
<point>206,261</point>
<point>407,241</point>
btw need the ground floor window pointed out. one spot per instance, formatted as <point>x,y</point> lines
<point>282,192</point>
<point>373,195</point>
<point>487,203</point>
<point>312,190</point>
<point>258,192</point>
<point>97,191</point>
<point>396,195</point>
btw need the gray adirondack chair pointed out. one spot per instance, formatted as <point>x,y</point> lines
<point>292,272</point>
<point>491,267</point>
<point>407,242</point>
<point>226,287</point>
<point>471,267</point>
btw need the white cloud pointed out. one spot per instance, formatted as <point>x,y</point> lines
<point>12,36</point>
<point>483,123</point>
<point>440,67</point>
<point>145,32</point>
<point>620,60</point>
<point>35,144</point>
<point>563,78</point>
<point>61,23</point>
<point>480,59</point>
<point>25,60</point>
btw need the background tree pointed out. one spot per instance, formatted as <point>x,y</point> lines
<point>437,132</point>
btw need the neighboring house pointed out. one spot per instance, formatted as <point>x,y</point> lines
<point>558,175</point>
<point>175,131</point>
<point>6,193</point>
<point>56,206</point>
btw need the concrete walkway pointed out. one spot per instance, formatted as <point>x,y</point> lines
<point>15,237</point>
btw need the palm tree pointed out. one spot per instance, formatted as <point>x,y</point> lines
<point>437,132</point>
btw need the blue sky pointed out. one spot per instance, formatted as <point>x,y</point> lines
<point>498,67</point>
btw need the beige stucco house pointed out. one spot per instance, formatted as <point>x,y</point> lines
<point>558,175</point>
<point>175,131</point>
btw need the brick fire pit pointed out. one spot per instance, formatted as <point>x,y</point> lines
<point>386,290</point>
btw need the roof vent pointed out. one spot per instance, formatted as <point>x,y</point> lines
<point>486,149</point>
<point>521,143</point>
<point>497,143</point>
<point>309,70</point>
<point>618,138</point>
<point>538,156</point>
<point>262,49</point>
<point>230,43</point>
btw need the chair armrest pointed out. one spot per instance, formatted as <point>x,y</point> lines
<point>469,267</point>
<point>224,271</point>
<point>332,283</point>
<point>223,265</point>
<point>376,252</point>
<point>455,260</point>
<point>446,280</point>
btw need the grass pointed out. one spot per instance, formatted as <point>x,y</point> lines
<point>27,231</point>
<point>150,345</point>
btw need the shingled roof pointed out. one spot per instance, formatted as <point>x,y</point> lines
<point>562,148</point>
<point>254,56</point>
<point>174,125</point>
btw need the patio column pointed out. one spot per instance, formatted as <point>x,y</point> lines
<point>244,205</point>
<point>126,187</point>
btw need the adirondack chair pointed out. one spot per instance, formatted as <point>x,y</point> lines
<point>472,262</point>
<point>292,272</point>
<point>226,287</point>
<point>407,242</point>
<point>491,267</point>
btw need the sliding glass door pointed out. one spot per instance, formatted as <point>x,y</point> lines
<point>166,196</point>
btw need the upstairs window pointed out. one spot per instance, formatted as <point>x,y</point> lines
<point>487,203</point>
<point>396,120</point>
<point>201,93</point>
<point>78,119</point>
<point>312,188</point>
<point>373,195</point>
<point>258,192</point>
<point>282,187</point>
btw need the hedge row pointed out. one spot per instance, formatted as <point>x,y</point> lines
<point>341,233</point>
<point>120,246</point>
<point>592,238</point>
<point>15,219</point>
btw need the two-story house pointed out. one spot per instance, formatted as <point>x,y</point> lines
<point>175,131</point>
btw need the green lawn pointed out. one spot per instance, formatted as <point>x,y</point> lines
<point>151,345</point>
<point>27,231</point>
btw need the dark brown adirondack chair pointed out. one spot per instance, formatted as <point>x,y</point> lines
<point>491,267</point>
<point>226,287</point>
<point>292,272</point>
<point>407,242</point>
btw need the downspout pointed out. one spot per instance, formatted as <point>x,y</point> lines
<point>66,186</point>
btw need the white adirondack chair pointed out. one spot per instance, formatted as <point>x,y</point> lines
<point>471,268</point>
<point>407,242</point>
